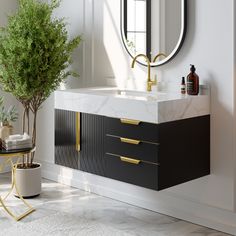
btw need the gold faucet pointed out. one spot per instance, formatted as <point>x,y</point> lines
<point>159,55</point>
<point>150,83</point>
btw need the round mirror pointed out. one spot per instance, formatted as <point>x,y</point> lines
<point>155,28</point>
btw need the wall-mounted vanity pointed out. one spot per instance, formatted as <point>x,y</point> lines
<point>154,140</point>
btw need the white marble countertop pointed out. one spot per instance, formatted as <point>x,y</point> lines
<point>150,107</point>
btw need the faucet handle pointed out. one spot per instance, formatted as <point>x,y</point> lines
<point>151,83</point>
<point>154,82</point>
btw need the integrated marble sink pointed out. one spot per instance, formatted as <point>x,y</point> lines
<point>153,107</point>
<point>130,94</point>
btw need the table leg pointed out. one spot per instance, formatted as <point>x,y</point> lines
<point>2,203</point>
<point>2,167</point>
<point>12,186</point>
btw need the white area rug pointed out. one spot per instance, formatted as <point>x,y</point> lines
<point>61,224</point>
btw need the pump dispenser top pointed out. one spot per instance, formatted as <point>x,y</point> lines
<point>192,69</point>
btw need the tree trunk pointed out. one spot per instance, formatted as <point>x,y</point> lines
<point>34,134</point>
<point>33,106</point>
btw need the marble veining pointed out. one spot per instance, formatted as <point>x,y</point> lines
<point>148,107</point>
<point>58,200</point>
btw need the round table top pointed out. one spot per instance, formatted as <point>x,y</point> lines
<point>15,152</point>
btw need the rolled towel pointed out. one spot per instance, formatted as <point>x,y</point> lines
<point>18,137</point>
<point>15,137</point>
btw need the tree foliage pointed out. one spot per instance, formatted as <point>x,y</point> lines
<point>34,51</point>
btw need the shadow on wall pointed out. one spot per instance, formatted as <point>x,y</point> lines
<point>114,51</point>
<point>223,117</point>
<point>102,62</point>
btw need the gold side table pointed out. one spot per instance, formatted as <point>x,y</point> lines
<point>8,160</point>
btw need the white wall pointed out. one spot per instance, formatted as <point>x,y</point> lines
<point>102,59</point>
<point>8,7</point>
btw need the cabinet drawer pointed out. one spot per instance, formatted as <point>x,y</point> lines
<point>141,174</point>
<point>137,149</point>
<point>142,131</point>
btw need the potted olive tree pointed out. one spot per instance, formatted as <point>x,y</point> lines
<point>35,55</point>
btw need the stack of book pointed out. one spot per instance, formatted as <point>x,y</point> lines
<point>17,142</point>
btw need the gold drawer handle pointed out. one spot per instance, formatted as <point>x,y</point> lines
<point>130,141</point>
<point>130,122</point>
<point>130,160</point>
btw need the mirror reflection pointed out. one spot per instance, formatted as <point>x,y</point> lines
<point>153,27</point>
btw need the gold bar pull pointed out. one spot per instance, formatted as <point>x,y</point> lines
<point>130,160</point>
<point>130,122</point>
<point>130,141</point>
<point>77,132</point>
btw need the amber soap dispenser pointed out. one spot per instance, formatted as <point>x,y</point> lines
<point>192,82</point>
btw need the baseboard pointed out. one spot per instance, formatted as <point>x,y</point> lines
<point>162,202</point>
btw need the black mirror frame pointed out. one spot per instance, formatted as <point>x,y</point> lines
<point>178,45</point>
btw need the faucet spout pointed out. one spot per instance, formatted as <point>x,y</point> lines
<point>149,81</point>
<point>161,54</point>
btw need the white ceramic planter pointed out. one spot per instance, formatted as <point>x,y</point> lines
<point>28,181</point>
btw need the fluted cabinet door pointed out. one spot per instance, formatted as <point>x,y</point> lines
<point>65,139</point>
<point>92,144</point>
<point>90,158</point>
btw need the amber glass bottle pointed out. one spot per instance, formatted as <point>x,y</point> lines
<point>192,82</point>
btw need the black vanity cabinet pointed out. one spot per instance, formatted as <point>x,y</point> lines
<point>184,151</point>
<point>155,156</point>
<point>79,141</point>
